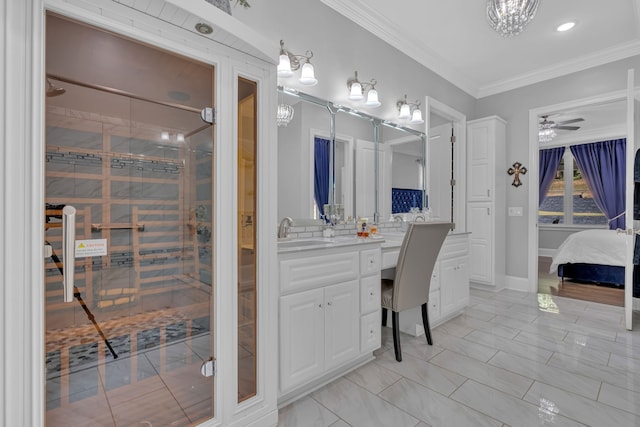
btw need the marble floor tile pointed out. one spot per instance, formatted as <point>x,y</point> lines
<point>374,377</point>
<point>533,328</point>
<point>419,347</point>
<point>497,378</point>
<point>627,363</point>
<point>564,347</point>
<point>508,409</point>
<point>609,334</point>
<point>620,398</point>
<point>517,348</point>
<point>480,325</point>
<point>620,349</point>
<point>441,380</point>
<point>551,375</point>
<point>463,346</point>
<point>615,376</point>
<point>342,423</point>
<point>485,359</point>
<point>432,407</point>
<point>579,408</point>
<point>359,407</point>
<point>308,412</point>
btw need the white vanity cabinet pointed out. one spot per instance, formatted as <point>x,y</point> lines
<point>486,200</point>
<point>329,314</point>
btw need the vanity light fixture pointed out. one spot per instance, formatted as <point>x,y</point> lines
<point>410,111</point>
<point>357,89</point>
<point>290,62</point>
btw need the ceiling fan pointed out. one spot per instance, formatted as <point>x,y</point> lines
<point>547,128</point>
<point>550,124</point>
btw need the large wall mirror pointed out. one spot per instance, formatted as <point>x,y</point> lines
<point>370,163</point>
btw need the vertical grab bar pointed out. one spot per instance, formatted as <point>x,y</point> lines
<point>68,250</point>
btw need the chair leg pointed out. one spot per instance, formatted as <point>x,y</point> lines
<point>425,323</point>
<point>395,322</point>
<point>384,317</point>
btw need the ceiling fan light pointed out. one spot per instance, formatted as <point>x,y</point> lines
<point>372,99</point>
<point>284,66</point>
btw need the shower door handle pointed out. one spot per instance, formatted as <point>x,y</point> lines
<point>68,250</point>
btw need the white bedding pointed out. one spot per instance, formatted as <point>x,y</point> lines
<point>603,247</point>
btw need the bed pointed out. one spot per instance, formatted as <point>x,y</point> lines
<point>592,256</point>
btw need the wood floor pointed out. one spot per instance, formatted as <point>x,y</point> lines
<point>550,284</point>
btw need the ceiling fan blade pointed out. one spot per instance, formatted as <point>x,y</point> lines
<point>567,127</point>
<point>566,122</point>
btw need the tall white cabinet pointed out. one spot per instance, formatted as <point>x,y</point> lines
<point>486,201</point>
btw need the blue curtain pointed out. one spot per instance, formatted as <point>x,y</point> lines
<point>603,167</point>
<point>322,151</point>
<point>549,161</point>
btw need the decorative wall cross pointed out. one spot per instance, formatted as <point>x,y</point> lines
<point>516,170</point>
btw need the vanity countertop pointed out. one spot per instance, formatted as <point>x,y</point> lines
<point>313,243</point>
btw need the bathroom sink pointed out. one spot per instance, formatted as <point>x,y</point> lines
<point>300,243</point>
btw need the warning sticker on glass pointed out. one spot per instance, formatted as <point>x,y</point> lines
<point>92,247</point>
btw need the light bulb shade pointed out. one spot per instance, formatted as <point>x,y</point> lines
<point>284,114</point>
<point>180,137</point>
<point>284,66</point>
<point>164,136</point>
<point>372,99</point>
<point>416,117</point>
<point>307,76</point>
<point>546,135</point>
<point>405,112</point>
<point>356,92</point>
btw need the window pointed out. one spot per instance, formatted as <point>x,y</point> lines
<point>569,200</point>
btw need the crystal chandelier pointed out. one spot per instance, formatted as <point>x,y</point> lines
<point>509,17</point>
<point>284,115</point>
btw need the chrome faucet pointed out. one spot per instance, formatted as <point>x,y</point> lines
<point>283,229</point>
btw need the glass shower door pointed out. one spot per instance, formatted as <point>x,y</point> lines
<point>130,174</point>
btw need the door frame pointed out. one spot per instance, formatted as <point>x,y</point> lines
<point>22,88</point>
<point>534,172</point>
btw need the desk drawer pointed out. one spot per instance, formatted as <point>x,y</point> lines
<point>390,258</point>
<point>370,332</point>
<point>370,262</point>
<point>369,294</point>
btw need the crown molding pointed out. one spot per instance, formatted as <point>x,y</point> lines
<point>381,27</point>
<point>602,57</point>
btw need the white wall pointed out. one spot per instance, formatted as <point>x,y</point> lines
<point>340,47</point>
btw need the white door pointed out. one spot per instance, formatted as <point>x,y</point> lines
<point>301,337</point>
<point>633,142</point>
<point>342,340</point>
<point>480,223</point>
<point>365,178</point>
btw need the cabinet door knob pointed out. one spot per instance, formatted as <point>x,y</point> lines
<point>329,303</point>
<point>319,305</point>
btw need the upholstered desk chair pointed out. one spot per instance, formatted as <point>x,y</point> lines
<point>410,287</point>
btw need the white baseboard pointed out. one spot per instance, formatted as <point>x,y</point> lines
<point>517,283</point>
<point>546,252</point>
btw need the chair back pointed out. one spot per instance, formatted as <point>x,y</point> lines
<point>418,255</point>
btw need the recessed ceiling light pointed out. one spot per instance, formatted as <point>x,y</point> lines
<point>566,26</point>
<point>203,28</point>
